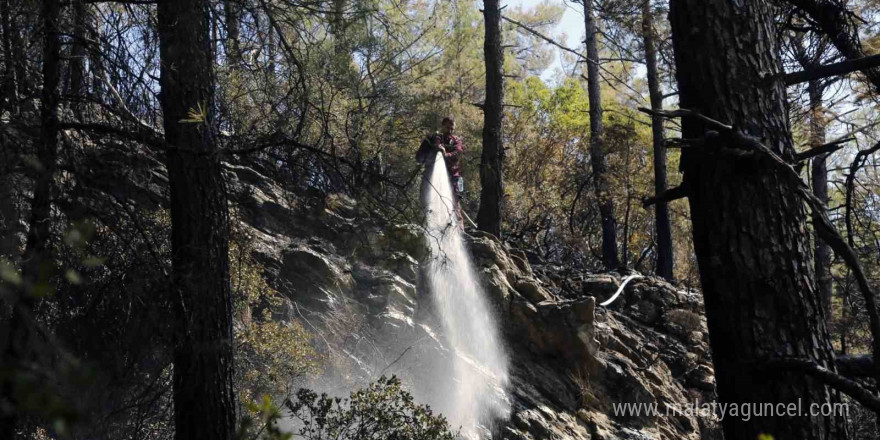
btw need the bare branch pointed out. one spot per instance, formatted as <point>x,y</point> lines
<point>827,148</point>
<point>679,192</point>
<point>860,365</point>
<point>835,69</point>
<point>847,386</point>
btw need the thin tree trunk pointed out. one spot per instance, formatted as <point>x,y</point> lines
<point>749,225</point>
<point>96,60</point>
<point>665,251</point>
<point>233,33</point>
<point>24,82</point>
<point>820,189</point>
<point>8,87</point>
<point>36,261</point>
<point>492,160</point>
<point>338,28</point>
<point>204,402</point>
<point>597,144</point>
<point>79,53</point>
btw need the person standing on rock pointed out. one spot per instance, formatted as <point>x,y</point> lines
<point>451,147</point>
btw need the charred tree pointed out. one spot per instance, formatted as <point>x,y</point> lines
<point>79,53</point>
<point>492,159</point>
<point>749,223</point>
<point>8,82</point>
<point>665,251</point>
<point>37,264</point>
<point>601,183</point>
<point>204,403</point>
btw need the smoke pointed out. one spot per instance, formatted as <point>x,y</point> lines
<point>469,391</point>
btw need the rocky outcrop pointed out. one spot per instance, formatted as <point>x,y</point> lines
<point>356,282</point>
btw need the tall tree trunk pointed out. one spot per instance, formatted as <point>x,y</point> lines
<point>36,261</point>
<point>749,224</point>
<point>204,403</point>
<point>597,144</point>
<point>663,228</point>
<point>79,53</point>
<point>8,83</point>
<point>820,189</point>
<point>96,60</point>
<point>337,28</point>
<point>492,160</point>
<point>233,33</point>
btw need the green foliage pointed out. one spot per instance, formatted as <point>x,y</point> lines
<point>261,421</point>
<point>270,353</point>
<point>384,410</point>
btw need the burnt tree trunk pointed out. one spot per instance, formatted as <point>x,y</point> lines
<point>601,183</point>
<point>8,82</point>
<point>819,176</point>
<point>204,403</point>
<point>492,160</point>
<point>79,53</point>
<point>749,225</point>
<point>19,22</point>
<point>662,226</point>
<point>37,265</point>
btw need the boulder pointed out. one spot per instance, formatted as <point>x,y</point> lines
<point>601,286</point>
<point>407,238</point>
<point>531,290</point>
<point>557,330</point>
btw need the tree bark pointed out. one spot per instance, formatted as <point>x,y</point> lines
<point>8,87</point>
<point>79,52</point>
<point>819,178</point>
<point>36,261</point>
<point>665,251</point>
<point>337,28</point>
<point>233,34</point>
<point>204,402</point>
<point>19,21</point>
<point>601,184</point>
<point>749,224</point>
<point>492,159</point>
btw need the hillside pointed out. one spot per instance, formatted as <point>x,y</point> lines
<point>356,281</point>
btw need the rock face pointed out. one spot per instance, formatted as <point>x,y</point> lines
<point>356,283</point>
